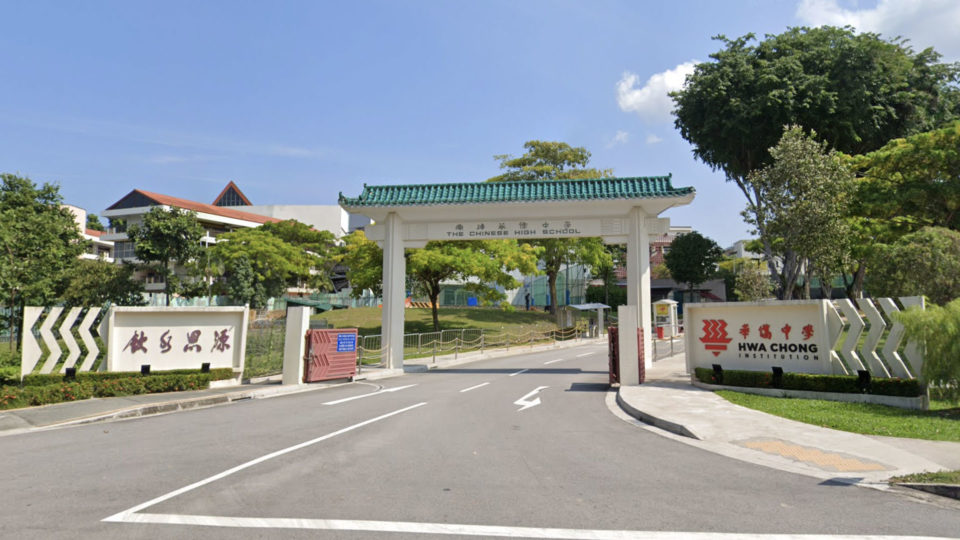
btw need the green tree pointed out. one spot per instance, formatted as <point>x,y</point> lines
<point>275,265</point>
<point>319,247</point>
<point>483,265</point>
<point>938,329</point>
<point>908,184</point>
<point>364,261</point>
<point>39,242</point>
<point>693,259</point>
<point>802,214</point>
<point>243,285</point>
<point>93,223</point>
<point>95,283</point>
<point>166,237</point>
<point>917,177</point>
<point>857,91</point>
<point>546,160</point>
<point>926,262</point>
<point>752,284</point>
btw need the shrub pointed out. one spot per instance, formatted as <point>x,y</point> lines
<point>41,379</point>
<point>938,329</point>
<point>842,384</point>
<point>89,385</point>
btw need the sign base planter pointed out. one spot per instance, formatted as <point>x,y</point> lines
<point>918,403</point>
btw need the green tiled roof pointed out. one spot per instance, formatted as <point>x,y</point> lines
<point>648,187</point>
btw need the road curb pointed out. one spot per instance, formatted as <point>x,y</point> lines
<point>646,418</point>
<point>943,490</point>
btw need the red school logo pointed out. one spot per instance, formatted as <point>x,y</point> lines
<point>715,336</point>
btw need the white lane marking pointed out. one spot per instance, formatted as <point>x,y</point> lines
<point>532,403</point>
<point>126,514</point>
<point>474,387</point>
<point>585,354</point>
<point>518,372</point>
<point>361,396</point>
<point>548,362</point>
<point>473,530</point>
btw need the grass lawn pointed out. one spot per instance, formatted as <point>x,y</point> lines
<point>420,320</point>
<point>940,423</point>
<point>942,477</point>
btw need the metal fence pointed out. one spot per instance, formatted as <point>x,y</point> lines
<point>265,340</point>
<point>447,342</point>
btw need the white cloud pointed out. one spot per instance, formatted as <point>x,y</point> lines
<point>621,137</point>
<point>926,23</point>
<point>651,101</point>
<point>653,139</point>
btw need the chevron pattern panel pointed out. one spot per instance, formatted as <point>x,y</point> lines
<point>887,362</point>
<point>32,353</point>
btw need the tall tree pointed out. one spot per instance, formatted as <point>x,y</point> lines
<point>547,160</point>
<point>483,265</point>
<point>39,243</point>
<point>95,283</point>
<point>93,223</point>
<point>166,237</point>
<point>926,262</point>
<point>259,265</point>
<point>805,190</point>
<point>693,259</point>
<point>364,261</point>
<point>908,184</point>
<point>857,91</point>
<point>319,247</point>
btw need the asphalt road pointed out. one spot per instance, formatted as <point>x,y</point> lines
<point>523,446</point>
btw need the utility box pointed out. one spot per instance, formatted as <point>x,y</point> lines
<point>331,354</point>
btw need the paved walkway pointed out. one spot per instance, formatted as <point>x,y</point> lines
<point>668,400</point>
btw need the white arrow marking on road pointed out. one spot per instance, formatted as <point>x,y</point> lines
<point>384,391</point>
<point>532,403</point>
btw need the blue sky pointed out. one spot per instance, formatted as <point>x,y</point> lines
<point>297,101</point>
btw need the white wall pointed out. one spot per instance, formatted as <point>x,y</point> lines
<point>324,217</point>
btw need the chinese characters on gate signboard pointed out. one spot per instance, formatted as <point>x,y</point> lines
<point>757,336</point>
<point>176,338</point>
<point>532,228</point>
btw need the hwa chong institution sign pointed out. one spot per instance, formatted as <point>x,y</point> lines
<point>756,336</point>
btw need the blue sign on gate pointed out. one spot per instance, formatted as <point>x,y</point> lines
<point>346,342</point>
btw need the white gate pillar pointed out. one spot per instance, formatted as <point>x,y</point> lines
<point>394,291</point>
<point>638,297</point>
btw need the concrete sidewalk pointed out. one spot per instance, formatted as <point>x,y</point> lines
<point>668,400</point>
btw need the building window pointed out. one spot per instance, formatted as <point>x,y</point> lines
<point>124,250</point>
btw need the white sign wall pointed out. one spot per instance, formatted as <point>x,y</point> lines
<point>176,337</point>
<point>756,336</point>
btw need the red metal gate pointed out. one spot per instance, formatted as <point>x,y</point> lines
<point>613,352</point>
<point>331,354</point>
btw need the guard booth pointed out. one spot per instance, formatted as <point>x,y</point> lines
<point>665,318</point>
<point>596,323</point>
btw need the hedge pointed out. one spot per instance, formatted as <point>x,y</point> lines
<point>843,384</point>
<point>12,397</point>
<point>44,379</point>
